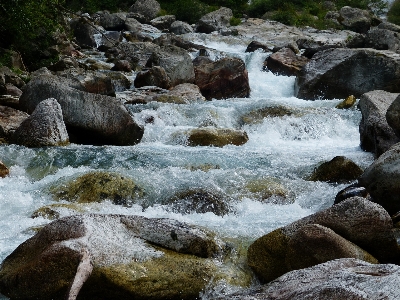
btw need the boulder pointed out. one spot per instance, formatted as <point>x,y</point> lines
<point>217,137</point>
<point>111,22</point>
<point>122,65</point>
<point>44,127</point>
<point>98,83</point>
<point>268,190</point>
<point>176,63</point>
<point>179,27</point>
<point>258,115</point>
<point>337,73</point>
<point>255,45</point>
<point>389,26</point>
<point>84,32</point>
<point>112,257</point>
<point>163,22</point>
<point>188,92</point>
<point>376,135</point>
<point>171,39</point>
<point>108,39</point>
<point>10,120</point>
<point>381,179</point>
<point>149,9</point>
<point>364,223</point>
<point>355,19</point>
<point>89,117</point>
<point>64,63</point>
<point>215,20</point>
<point>392,114</point>
<point>338,170</point>
<point>4,171</point>
<point>382,39</point>
<point>155,76</point>
<point>345,278</point>
<point>225,78</point>
<point>98,187</point>
<point>347,103</point>
<point>200,201</point>
<point>10,77</point>
<point>353,190</point>
<point>285,62</point>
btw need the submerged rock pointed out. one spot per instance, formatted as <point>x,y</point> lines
<point>44,127</point>
<point>4,171</point>
<point>217,137</point>
<point>110,257</point>
<point>97,187</point>
<point>269,190</point>
<point>345,278</point>
<point>359,221</point>
<point>257,116</point>
<point>340,170</point>
<point>347,103</point>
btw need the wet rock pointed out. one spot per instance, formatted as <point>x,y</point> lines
<point>355,19</point>
<point>111,22</point>
<point>112,256</point>
<point>347,103</point>
<point>98,83</point>
<point>345,278</point>
<point>217,137</point>
<point>98,187</point>
<point>91,118</point>
<point>337,73</point>
<point>392,114</point>
<point>381,179</point>
<point>155,76</point>
<point>149,9</point>
<point>354,190</point>
<point>84,32</point>
<point>339,170</point>
<point>200,201</point>
<point>215,20</point>
<point>44,127</point>
<point>269,190</point>
<point>163,22</point>
<point>54,211</point>
<point>225,78</point>
<point>376,135</point>
<point>119,81</point>
<point>176,63</point>
<point>4,171</point>
<point>188,92</point>
<point>389,26</point>
<point>257,116</point>
<point>10,120</point>
<point>255,45</point>
<point>45,212</point>
<point>179,27</point>
<point>382,39</point>
<point>108,40</point>
<point>172,39</point>
<point>64,63</point>
<point>122,65</point>
<point>364,223</point>
<point>285,62</point>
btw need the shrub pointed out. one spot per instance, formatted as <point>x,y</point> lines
<point>234,21</point>
<point>393,15</point>
<point>185,10</point>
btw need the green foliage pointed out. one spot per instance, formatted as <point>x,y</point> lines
<point>92,6</point>
<point>234,21</point>
<point>393,15</point>
<point>189,11</point>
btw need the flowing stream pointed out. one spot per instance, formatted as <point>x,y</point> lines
<point>285,148</point>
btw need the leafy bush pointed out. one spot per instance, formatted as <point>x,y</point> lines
<point>189,11</point>
<point>91,6</point>
<point>393,15</point>
<point>234,21</point>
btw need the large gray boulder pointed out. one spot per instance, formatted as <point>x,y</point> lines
<point>225,78</point>
<point>382,180</point>
<point>359,221</point>
<point>179,27</point>
<point>176,62</point>
<point>137,53</point>
<point>345,278</point>
<point>215,20</point>
<point>44,127</point>
<point>91,118</point>
<point>355,19</point>
<point>111,22</point>
<point>376,135</point>
<point>337,73</point>
<point>149,9</point>
<point>111,257</point>
<point>382,39</point>
<point>392,115</point>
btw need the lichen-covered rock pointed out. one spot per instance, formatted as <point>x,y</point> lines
<point>215,20</point>
<point>10,120</point>
<point>200,201</point>
<point>217,137</point>
<point>44,127</point>
<point>111,256</point>
<point>364,223</point>
<point>339,72</point>
<point>340,169</point>
<point>381,179</point>
<point>179,27</point>
<point>355,19</point>
<point>225,78</point>
<point>285,62</point>
<point>97,187</point>
<point>347,103</point>
<point>147,8</point>
<point>376,135</point>
<point>345,278</point>
<point>4,171</point>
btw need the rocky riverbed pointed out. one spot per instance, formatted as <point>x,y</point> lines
<point>162,160</point>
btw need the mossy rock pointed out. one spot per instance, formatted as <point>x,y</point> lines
<point>257,116</point>
<point>203,167</point>
<point>200,201</point>
<point>269,190</point>
<point>52,212</point>
<point>347,103</point>
<point>4,171</point>
<point>338,170</point>
<point>169,99</point>
<point>217,137</point>
<point>97,187</point>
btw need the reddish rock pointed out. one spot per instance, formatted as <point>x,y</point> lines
<point>285,62</point>
<point>226,78</point>
<point>122,65</point>
<point>3,170</point>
